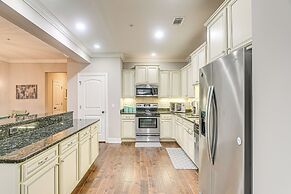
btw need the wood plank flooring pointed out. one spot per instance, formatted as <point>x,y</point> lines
<point>124,169</point>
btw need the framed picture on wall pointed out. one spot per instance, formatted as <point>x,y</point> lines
<point>26,91</point>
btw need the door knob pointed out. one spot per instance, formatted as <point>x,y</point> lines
<point>103,112</point>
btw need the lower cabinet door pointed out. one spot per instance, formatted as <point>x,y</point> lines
<point>84,157</point>
<point>94,147</point>
<point>166,129</point>
<point>191,147</point>
<point>128,128</point>
<point>44,182</point>
<point>68,170</point>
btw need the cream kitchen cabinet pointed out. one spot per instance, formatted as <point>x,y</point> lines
<point>147,75</point>
<point>183,132</point>
<point>195,68</point>
<point>84,152</point>
<point>166,126</point>
<point>153,75</point>
<point>128,87</point>
<point>239,23</point>
<point>190,87</point>
<point>175,84</point>
<point>198,60</point>
<point>165,84</point>
<point>127,127</point>
<point>41,174</point>
<point>94,142</point>
<point>68,165</point>
<point>229,28</point>
<point>54,170</point>
<point>201,57</point>
<point>184,82</point>
<point>170,84</point>
<point>140,74</point>
<point>217,36</point>
<point>45,181</point>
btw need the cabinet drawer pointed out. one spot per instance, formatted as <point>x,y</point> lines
<point>85,133</point>
<point>179,119</point>
<point>188,124</point>
<point>166,117</point>
<point>128,117</point>
<point>68,144</point>
<point>35,165</point>
<point>94,128</point>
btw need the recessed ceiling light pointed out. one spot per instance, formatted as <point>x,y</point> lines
<point>97,46</point>
<point>80,26</point>
<point>159,34</point>
<point>154,54</point>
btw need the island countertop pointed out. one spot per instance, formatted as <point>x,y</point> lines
<point>38,141</point>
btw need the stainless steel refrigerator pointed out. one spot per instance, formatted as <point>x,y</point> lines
<point>225,129</point>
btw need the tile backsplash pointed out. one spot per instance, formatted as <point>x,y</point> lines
<point>163,102</point>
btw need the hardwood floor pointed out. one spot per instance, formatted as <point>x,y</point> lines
<point>124,169</point>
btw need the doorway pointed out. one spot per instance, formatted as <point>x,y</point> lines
<point>56,92</point>
<point>92,103</point>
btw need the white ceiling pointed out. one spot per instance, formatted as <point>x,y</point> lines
<point>108,23</point>
<point>19,46</point>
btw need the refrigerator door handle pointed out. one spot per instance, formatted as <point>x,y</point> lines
<point>208,109</point>
<point>214,125</point>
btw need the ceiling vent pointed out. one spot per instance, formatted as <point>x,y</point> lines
<point>178,20</point>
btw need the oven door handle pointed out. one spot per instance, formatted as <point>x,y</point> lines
<point>147,117</point>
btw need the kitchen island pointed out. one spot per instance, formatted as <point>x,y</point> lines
<point>46,154</point>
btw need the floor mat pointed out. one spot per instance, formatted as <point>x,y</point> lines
<point>179,159</point>
<point>148,144</point>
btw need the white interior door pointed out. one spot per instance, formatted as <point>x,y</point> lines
<point>92,100</point>
<point>57,96</point>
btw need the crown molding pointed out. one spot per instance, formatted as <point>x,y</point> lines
<point>148,60</point>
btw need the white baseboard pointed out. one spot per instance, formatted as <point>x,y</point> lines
<point>113,140</point>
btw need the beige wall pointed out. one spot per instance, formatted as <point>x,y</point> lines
<point>49,78</point>
<point>4,97</point>
<point>111,66</point>
<point>19,74</point>
<point>272,94</point>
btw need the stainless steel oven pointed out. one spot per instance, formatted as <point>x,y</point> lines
<point>147,123</point>
<point>147,90</point>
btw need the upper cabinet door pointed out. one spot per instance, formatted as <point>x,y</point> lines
<point>175,84</point>
<point>239,23</point>
<point>201,59</point>
<point>128,83</point>
<point>184,84</point>
<point>217,36</point>
<point>195,68</point>
<point>164,89</point>
<point>153,75</point>
<point>140,74</point>
<point>147,75</point>
<point>190,87</point>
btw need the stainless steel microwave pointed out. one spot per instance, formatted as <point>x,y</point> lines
<point>147,90</point>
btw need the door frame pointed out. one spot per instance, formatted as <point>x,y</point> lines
<point>106,97</point>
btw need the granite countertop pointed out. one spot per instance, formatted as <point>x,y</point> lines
<point>188,116</point>
<point>19,149</point>
<point>28,118</point>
